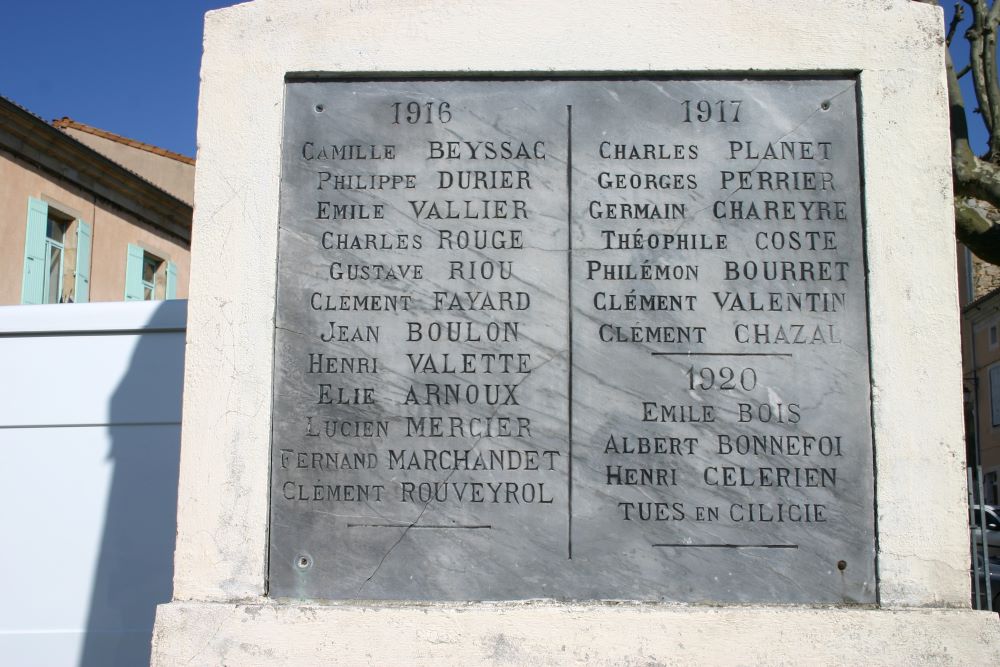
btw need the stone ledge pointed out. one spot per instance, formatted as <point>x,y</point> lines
<point>548,633</point>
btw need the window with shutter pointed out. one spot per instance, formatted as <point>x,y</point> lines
<point>133,274</point>
<point>33,283</point>
<point>84,241</point>
<point>171,292</point>
<point>148,277</point>
<point>56,256</point>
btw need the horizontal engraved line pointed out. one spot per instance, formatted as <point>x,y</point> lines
<point>721,354</point>
<point>407,525</point>
<point>731,546</point>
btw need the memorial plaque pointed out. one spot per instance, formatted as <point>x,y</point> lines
<point>572,339</point>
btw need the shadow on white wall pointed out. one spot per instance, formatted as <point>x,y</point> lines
<point>90,436</point>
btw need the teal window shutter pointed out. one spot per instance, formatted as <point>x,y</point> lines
<point>133,273</point>
<point>171,281</point>
<point>33,285</point>
<point>84,240</point>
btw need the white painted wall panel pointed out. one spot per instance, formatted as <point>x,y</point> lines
<point>91,379</point>
<point>54,530</point>
<point>89,510</point>
<point>101,317</point>
<point>129,372</point>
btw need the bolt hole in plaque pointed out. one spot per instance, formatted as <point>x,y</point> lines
<point>571,338</point>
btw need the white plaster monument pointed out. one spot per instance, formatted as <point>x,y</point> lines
<point>573,332</point>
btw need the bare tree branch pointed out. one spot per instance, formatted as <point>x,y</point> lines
<point>994,14</point>
<point>961,152</point>
<point>992,82</point>
<point>978,230</point>
<point>956,19</point>
<point>975,35</point>
<point>976,182</point>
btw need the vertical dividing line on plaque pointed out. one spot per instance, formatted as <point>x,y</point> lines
<point>569,300</point>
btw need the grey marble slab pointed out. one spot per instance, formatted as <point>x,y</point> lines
<point>572,339</point>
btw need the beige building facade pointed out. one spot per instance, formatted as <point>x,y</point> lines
<point>87,223</point>
<point>979,289</point>
<point>165,169</point>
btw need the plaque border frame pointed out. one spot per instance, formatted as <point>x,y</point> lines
<point>369,77</point>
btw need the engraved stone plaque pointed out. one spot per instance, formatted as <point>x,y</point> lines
<point>572,339</point>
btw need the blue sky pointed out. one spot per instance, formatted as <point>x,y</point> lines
<point>131,66</point>
<point>126,66</point>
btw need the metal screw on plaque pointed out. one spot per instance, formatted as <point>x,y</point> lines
<point>841,565</point>
<point>319,108</point>
<point>303,562</point>
<point>825,106</point>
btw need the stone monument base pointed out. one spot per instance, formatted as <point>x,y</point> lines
<point>265,633</point>
<point>893,49</point>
